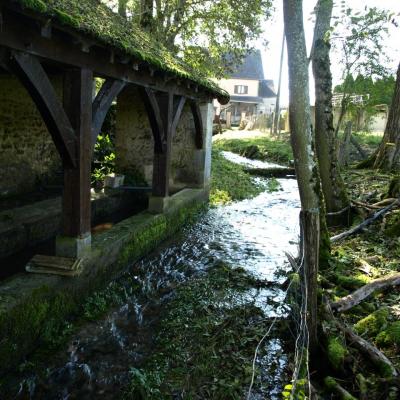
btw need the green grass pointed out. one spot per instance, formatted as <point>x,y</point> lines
<point>229,182</point>
<point>267,149</point>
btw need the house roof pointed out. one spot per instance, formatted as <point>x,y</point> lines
<point>266,89</point>
<point>95,19</point>
<point>251,68</point>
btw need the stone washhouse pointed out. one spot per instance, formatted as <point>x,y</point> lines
<point>63,64</point>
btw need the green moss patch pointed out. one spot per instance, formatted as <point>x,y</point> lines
<point>336,352</point>
<point>373,323</point>
<point>229,182</point>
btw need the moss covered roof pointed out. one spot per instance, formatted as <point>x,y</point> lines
<point>93,18</point>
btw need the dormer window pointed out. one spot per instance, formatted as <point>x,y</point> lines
<point>241,89</point>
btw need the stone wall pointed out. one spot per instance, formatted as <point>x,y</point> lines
<point>135,143</point>
<point>27,153</point>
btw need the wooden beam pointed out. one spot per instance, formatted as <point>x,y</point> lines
<point>177,114</point>
<point>198,123</point>
<point>110,89</point>
<point>78,84</point>
<point>98,60</point>
<point>33,77</point>
<point>153,113</point>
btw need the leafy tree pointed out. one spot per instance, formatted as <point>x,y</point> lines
<point>202,32</point>
<point>357,38</point>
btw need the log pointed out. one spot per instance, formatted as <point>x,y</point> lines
<point>351,300</point>
<point>365,223</point>
<point>369,350</point>
<point>334,387</point>
<point>375,355</point>
<point>278,172</point>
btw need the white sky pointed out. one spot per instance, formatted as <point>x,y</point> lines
<point>274,31</point>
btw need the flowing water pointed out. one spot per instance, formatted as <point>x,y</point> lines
<point>253,234</point>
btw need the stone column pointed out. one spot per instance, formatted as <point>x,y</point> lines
<point>202,157</point>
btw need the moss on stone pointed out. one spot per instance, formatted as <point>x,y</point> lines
<point>373,323</point>
<point>336,352</point>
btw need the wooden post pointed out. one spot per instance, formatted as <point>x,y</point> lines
<point>162,159</point>
<point>76,207</point>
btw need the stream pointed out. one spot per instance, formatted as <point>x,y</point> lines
<point>253,234</point>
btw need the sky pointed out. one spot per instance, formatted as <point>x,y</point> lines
<point>274,31</point>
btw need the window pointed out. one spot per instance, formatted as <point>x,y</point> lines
<point>241,89</point>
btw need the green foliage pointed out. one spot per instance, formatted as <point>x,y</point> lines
<point>211,35</point>
<point>229,182</point>
<point>336,352</point>
<point>104,158</point>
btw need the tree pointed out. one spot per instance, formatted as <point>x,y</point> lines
<point>302,144</point>
<point>388,155</point>
<point>202,32</point>
<point>357,39</point>
<point>333,188</point>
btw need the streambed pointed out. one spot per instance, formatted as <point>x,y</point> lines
<point>252,235</point>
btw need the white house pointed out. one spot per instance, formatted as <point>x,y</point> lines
<point>251,94</point>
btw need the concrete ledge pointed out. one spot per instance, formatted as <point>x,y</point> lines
<point>35,223</point>
<point>34,307</point>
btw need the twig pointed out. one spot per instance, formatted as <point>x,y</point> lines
<point>365,223</point>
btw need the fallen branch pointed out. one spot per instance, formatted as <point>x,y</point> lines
<point>351,300</point>
<point>383,203</point>
<point>365,205</point>
<point>278,172</point>
<point>374,354</point>
<point>358,147</point>
<point>334,387</point>
<point>365,223</point>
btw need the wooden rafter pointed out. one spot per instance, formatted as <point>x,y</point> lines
<point>33,77</point>
<point>102,103</point>
<point>198,123</point>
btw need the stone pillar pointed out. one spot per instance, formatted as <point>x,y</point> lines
<point>202,157</point>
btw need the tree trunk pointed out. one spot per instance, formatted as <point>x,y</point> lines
<point>344,151</point>
<point>278,95</point>
<point>146,19</point>
<point>388,157</point>
<point>335,195</point>
<point>122,7</point>
<point>302,144</point>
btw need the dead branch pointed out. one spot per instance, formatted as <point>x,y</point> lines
<point>365,205</point>
<point>375,355</point>
<point>384,202</point>
<point>351,300</point>
<point>369,350</point>
<point>365,223</point>
<point>334,387</point>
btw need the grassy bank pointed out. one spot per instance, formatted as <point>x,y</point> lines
<point>229,182</point>
<point>263,148</point>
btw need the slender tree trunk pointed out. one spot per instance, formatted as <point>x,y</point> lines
<point>388,156</point>
<point>344,152</point>
<point>302,144</point>
<point>146,19</point>
<point>335,195</point>
<point>122,7</point>
<point>278,95</point>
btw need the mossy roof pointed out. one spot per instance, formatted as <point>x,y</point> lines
<point>95,19</point>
